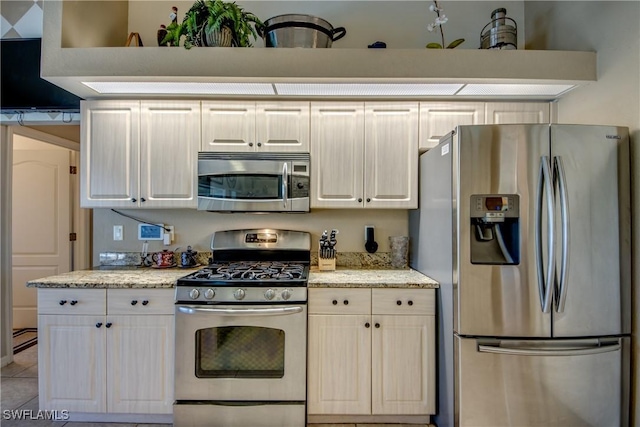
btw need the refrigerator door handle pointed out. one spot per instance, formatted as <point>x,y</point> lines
<point>597,348</point>
<point>545,184</point>
<point>561,292</point>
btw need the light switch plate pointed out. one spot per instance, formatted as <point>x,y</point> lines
<point>117,232</point>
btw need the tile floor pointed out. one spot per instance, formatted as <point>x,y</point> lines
<point>19,390</point>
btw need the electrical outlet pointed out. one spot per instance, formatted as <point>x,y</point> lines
<point>168,234</point>
<point>117,232</point>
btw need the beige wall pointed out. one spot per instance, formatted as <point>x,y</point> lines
<point>611,28</point>
<point>195,228</point>
<point>6,346</point>
<point>94,23</point>
<point>401,24</point>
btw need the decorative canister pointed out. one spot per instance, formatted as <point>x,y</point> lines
<point>399,248</point>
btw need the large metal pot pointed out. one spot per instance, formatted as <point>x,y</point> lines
<point>293,30</point>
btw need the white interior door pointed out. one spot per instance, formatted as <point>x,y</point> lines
<point>41,225</point>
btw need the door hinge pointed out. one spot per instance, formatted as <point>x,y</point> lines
<point>73,170</point>
<point>73,237</point>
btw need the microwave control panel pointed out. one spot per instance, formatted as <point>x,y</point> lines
<point>300,186</point>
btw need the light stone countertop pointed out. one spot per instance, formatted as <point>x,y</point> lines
<point>370,278</point>
<point>166,278</point>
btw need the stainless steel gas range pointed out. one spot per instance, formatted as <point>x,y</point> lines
<point>241,332</point>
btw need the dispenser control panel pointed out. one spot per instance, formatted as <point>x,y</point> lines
<point>495,206</point>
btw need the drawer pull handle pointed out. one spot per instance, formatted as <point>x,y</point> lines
<point>63,301</point>
<point>251,144</point>
<point>359,199</point>
<point>134,302</point>
<point>410,302</point>
<point>366,325</point>
<point>335,302</point>
<point>259,144</point>
<point>108,325</point>
<point>399,302</point>
<point>74,302</point>
<point>377,325</point>
<point>133,200</point>
<point>145,302</point>
<point>98,325</point>
<point>345,302</point>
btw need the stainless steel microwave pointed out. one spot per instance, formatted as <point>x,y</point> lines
<point>253,182</point>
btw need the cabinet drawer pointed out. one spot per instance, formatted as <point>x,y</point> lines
<point>72,301</point>
<point>403,301</point>
<point>140,301</point>
<point>339,301</point>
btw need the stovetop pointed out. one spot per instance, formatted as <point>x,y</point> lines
<point>251,273</point>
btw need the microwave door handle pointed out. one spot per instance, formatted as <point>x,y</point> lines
<point>285,184</point>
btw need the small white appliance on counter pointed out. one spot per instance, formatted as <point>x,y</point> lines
<point>527,229</point>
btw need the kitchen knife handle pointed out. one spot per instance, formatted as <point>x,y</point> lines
<point>561,292</point>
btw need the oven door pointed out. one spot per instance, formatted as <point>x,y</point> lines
<point>243,353</point>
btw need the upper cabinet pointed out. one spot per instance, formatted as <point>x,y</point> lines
<point>139,153</point>
<point>439,118</point>
<point>255,126</point>
<point>364,155</point>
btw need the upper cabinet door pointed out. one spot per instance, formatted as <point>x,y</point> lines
<point>228,126</point>
<point>109,153</point>
<point>439,118</point>
<point>502,113</point>
<point>282,127</point>
<point>337,152</point>
<point>391,155</point>
<point>169,143</point>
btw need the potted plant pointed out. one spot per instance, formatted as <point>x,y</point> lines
<point>217,23</point>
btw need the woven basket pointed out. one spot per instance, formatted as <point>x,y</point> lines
<point>221,38</point>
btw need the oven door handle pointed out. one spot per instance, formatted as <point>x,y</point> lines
<point>280,311</point>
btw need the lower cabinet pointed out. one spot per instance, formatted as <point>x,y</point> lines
<point>106,351</point>
<point>371,351</point>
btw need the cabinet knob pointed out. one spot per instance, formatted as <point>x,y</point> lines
<point>74,302</point>
<point>368,199</point>
<point>108,325</point>
<point>334,302</point>
<point>142,199</point>
<point>98,325</point>
<point>63,301</point>
<point>133,200</point>
<point>134,302</point>
<point>251,144</point>
<point>345,302</point>
<point>377,325</point>
<point>399,302</point>
<point>259,144</point>
<point>366,325</point>
<point>410,302</point>
<point>145,302</point>
<point>359,199</point>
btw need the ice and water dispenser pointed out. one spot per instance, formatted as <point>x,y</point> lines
<point>495,229</point>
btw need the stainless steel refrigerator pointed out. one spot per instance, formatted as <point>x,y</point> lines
<point>527,229</point>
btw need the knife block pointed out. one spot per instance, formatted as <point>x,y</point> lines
<point>326,264</point>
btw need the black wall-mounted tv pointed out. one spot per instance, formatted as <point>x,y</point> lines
<point>23,89</point>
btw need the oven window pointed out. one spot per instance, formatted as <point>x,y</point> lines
<point>241,187</point>
<point>240,352</point>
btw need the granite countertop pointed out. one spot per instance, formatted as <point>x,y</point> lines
<point>113,278</point>
<point>127,277</point>
<point>370,278</point>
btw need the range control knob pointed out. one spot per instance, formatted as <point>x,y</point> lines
<point>238,294</point>
<point>209,293</point>
<point>194,293</point>
<point>286,294</point>
<point>300,185</point>
<point>269,294</point>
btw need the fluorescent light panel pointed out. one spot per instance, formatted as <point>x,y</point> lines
<point>366,89</point>
<point>181,88</point>
<point>514,89</point>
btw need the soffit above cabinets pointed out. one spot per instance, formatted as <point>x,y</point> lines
<point>318,73</point>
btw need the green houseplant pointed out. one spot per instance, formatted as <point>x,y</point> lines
<point>216,23</point>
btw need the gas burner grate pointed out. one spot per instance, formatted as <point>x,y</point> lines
<point>246,270</point>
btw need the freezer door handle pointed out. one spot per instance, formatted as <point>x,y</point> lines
<point>580,350</point>
<point>545,278</point>
<point>560,178</point>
